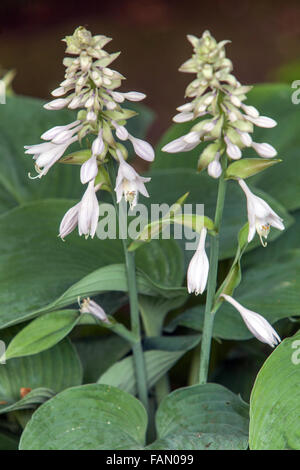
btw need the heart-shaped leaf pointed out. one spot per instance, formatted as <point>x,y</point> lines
<point>36,267</point>
<point>275,400</point>
<point>54,369</point>
<point>202,417</point>
<point>90,417</point>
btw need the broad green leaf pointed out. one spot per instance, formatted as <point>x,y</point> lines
<point>90,417</point>
<point>31,401</point>
<point>157,362</point>
<point>55,369</point>
<point>36,267</point>
<point>30,120</point>
<point>42,333</point>
<point>100,353</point>
<point>281,181</point>
<point>287,242</point>
<point>203,190</point>
<point>202,417</point>
<point>162,261</point>
<point>109,278</point>
<point>275,400</point>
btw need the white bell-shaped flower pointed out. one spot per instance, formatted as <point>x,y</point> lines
<point>88,213</point>
<point>129,183</point>
<point>69,221</point>
<point>257,324</point>
<point>260,215</point>
<point>198,268</point>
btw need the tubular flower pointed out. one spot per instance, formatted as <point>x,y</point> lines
<point>258,325</point>
<point>129,183</point>
<point>198,268</point>
<point>218,98</point>
<point>260,215</point>
<point>88,213</point>
<point>84,214</point>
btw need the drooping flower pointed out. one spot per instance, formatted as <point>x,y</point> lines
<point>257,324</point>
<point>88,213</point>
<point>89,170</point>
<point>69,221</point>
<point>142,148</point>
<point>129,183</point>
<point>90,306</point>
<point>84,214</point>
<point>198,268</point>
<point>260,215</point>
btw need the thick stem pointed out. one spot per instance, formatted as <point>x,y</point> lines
<point>137,350</point>
<point>211,285</point>
<point>138,355</point>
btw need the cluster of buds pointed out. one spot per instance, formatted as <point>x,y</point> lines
<point>227,124</point>
<point>90,87</point>
<point>217,96</point>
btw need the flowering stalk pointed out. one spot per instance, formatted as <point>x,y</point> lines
<point>226,126</point>
<point>137,349</point>
<point>90,88</point>
<point>211,285</point>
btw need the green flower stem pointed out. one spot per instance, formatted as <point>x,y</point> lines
<point>211,284</point>
<point>138,354</point>
<point>137,350</point>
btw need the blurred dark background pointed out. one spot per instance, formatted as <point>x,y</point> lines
<point>151,34</point>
